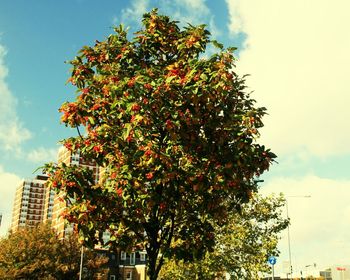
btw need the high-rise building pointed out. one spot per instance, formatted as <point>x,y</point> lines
<point>60,204</point>
<point>28,208</point>
<point>48,204</point>
<point>130,266</point>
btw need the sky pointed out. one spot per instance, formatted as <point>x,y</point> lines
<point>295,52</point>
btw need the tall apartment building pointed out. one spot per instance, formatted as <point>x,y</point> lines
<point>59,205</point>
<point>130,266</point>
<point>29,204</point>
<point>48,204</point>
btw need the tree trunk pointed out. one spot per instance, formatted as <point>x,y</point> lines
<point>152,264</point>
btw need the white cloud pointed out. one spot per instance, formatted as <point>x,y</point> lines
<point>183,11</point>
<point>297,53</point>
<point>180,10</point>
<point>42,155</point>
<point>213,28</point>
<point>319,224</point>
<point>194,5</point>
<point>8,184</point>
<point>197,8</point>
<point>12,131</point>
<point>134,13</point>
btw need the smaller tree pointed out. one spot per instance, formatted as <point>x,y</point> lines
<point>36,253</point>
<point>243,245</point>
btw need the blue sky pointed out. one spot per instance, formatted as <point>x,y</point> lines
<point>297,53</point>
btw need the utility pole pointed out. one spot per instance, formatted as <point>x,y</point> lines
<point>289,247</point>
<point>81,262</point>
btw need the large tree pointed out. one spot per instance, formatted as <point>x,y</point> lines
<point>174,131</point>
<point>37,253</point>
<point>242,247</point>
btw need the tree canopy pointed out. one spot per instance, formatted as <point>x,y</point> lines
<point>174,131</point>
<point>243,244</point>
<point>37,253</point>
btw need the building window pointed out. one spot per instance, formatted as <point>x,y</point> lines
<point>129,275</point>
<point>142,257</point>
<point>132,258</point>
<point>123,256</point>
<point>112,277</point>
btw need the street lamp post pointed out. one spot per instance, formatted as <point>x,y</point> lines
<point>289,250</point>
<point>288,232</point>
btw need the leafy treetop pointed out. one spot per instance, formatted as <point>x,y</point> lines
<point>37,253</point>
<point>243,245</point>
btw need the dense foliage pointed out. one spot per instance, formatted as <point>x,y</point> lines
<point>36,253</point>
<point>243,245</point>
<point>174,132</point>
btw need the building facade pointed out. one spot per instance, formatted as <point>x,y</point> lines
<point>60,204</point>
<point>340,272</point>
<point>132,266</point>
<point>29,203</point>
<point>326,274</point>
<point>49,196</point>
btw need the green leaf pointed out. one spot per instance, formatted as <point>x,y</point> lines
<point>217,44</point>
<point>169,79</point>
<point>127,130</point>
<point>203,77</point>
